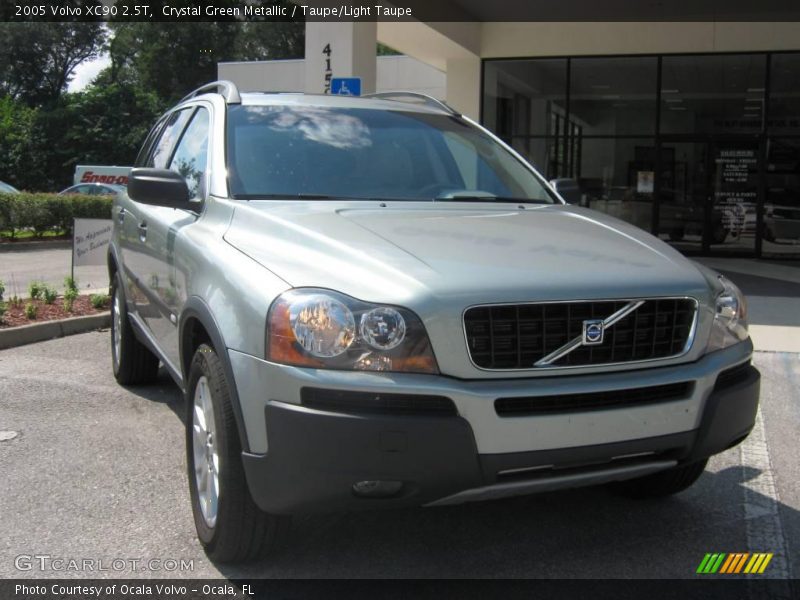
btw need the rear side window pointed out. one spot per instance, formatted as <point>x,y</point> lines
<point>159,157</point>
<point>191,155</point>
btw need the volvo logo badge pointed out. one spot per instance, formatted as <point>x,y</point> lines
<point>593,330</point>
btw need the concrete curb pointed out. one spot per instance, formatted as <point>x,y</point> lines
<point>48,330</point>
<point>23,246</point>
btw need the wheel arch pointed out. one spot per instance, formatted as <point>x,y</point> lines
<point>197,326</point>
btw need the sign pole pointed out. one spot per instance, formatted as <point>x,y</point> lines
<point>72,258</point>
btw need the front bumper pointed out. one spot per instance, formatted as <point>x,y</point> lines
<point>314,457</point>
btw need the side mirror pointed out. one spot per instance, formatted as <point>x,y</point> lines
<point>158,187</point>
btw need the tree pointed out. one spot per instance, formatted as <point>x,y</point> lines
<point>174,58</point>
<point>384,50</point>
<point>16,139</point>
<point>37,60</point>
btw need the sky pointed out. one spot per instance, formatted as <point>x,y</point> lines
<point>86,71</point>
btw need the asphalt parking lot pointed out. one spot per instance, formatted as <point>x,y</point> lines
<point>97,471</point>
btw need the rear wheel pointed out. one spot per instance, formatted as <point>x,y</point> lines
<point>663,483</point>
<point>132,361</point>
<point>229,524</point>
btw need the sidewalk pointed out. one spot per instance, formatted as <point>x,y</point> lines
<point>49,265</point>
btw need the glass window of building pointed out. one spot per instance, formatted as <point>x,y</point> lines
<point>613,96</point>
<point>781,225</point>
<point>784,94</point>
<point>719,94</point>
<point>617,176</point>
<point>523,97</point>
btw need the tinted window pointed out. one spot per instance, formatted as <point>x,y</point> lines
<point>521,97</point>
<point>190,156</point>
<point>784,101</point>
<point>161,151</point>
<point>364,153</point>
<point>613,96</point>
<point>712,94</point>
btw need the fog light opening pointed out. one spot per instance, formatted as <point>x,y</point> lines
<point>377,489</point>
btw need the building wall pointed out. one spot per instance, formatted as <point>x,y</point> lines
<point>271,75</point>
<point>393,73</point>
<point>576,39</point>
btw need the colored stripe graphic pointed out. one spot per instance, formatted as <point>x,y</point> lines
<point>740,564</point>
<point>734,563</point>
<point>711,563</point>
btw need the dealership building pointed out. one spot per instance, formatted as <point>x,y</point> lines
<point>688,129</point>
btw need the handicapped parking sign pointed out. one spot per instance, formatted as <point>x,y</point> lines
<point>346,86</point>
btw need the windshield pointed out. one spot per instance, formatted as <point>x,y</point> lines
<point>321,152</point>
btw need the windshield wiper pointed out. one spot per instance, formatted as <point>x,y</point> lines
<point>292,197</point>
<point>490,199</point>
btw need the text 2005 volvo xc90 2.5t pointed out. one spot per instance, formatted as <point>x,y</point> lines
<point>374,302</point>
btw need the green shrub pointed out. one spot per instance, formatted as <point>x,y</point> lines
<point>70,295</point>
<point>2,310</point>
<point>35,289</point>
<point>2,289</point>
<point>49,212</point>
<point>99,300</point>
<point>15,301</point>
<point>31,310</point>
<point>49,294</point>
<point>70,284</point>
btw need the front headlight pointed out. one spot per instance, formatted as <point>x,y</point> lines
<point>730,317</point>
<point>328,330</point>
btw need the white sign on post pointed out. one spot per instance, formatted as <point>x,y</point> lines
<point>90,239</point>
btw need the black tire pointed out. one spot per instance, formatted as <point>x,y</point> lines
<point>135,364</point>
<point>768,234</point>
<point>241,531</point>
<point>664,483</point>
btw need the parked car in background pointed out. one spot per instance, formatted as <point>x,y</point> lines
<point>94,189</point>
<point>370,302</point>
<point>781,222</point>
<point>6,188</point>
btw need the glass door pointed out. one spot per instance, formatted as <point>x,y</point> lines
<point>734,198</point>
<point>708,194</point>
<point>683,194</point>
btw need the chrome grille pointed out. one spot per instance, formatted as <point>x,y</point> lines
<point>517,336</point>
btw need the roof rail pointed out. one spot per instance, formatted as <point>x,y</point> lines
<point>227,89</point>
<point>414,98</point>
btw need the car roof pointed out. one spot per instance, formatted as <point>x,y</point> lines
<point>388,101</point>
<point>335,101</point>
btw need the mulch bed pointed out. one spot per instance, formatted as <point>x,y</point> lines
<point>15,315</point>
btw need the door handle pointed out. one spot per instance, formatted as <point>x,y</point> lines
<point>121,216</point>
<point>143,231</point>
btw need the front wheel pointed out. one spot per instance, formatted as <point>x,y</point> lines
<point>132,361</point>
<point>229,524</point>
<point>663,483</point>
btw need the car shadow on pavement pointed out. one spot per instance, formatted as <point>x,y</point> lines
<point>163,391</point>
<point>587,533</point>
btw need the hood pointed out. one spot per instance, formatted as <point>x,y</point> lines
<point>466,253</point>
